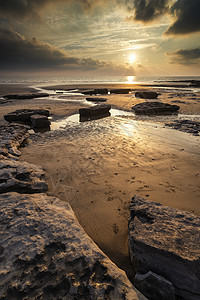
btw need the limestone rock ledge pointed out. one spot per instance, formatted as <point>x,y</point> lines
<point>166,241</point>
<point>45,254</point>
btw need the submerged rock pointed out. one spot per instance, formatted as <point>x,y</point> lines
<point>45,254</point>
<point>153,108</point>
<point>26,96</point>
<point>188,126</point>
<point>21,177</point>
<point>24,115</point>
<point>11,138</point>
<point>166,241</point>
<point>94,112</point>
<point>146,95</point>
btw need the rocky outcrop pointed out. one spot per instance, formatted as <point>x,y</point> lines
<point>12,137</point>
<point>39,121</point>
<point>96,92</point>
<point>146,95</point>
<point>24,115</point>
<point>45,254</point>
<point>97,111</point>
<point>21,177</point>
<point>166,241</point>
<point>25,96</point>
<point>120,91</point>
<point>188,126</point>
<point>97,99</point>
<point>154,286</point>
<point>155,108</point>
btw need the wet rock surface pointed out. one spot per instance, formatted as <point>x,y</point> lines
<point>12,137</point>
<point>26,96</point>
<point>146,95</point>
<point>96,92</point>
<point>155,108</point>
<point>166,241</point>
<point>97,111</point>
<point>120,91</point>
<point>24,115</point>
<point>188,126</point>
<point>45,254</point>
<point>21,177</point>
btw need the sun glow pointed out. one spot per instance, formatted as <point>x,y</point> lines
<point>132,58</point>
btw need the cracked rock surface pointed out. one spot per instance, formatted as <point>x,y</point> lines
<point>21,177</point>
<point>45,254</point>
<point>166,241</point>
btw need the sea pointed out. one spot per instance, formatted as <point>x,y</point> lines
<point>70,80</point>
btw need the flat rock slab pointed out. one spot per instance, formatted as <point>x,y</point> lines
<point>21,177</point>
<point>166,241</point>
<point>25,96</point>
<point>146,95</point>
<point>12,137</point>
<point>24,115</point>
<point>155,108</point>
<point>45,254</point>
<point>96,92</point>
<point>39,121</point>
<point>97,99</point>
<point>94,111</point>
<point>120,91</point>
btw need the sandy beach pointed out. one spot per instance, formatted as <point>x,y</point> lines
<point>99,166</point>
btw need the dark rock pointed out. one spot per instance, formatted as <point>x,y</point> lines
<point>40,121</point>
<point>188,126</point>
<point>154,286</point>
<point>97,111</point>
<point>96,92</point>
<point>21,177</point>
<point>24,115</point>
<point>96,99</point>
<point>166,241</point>
<point>101,91</point>
<point>12,137</point>
<point>146,95</point>
<point>153,108</point>
<point>45,254</point>
<point>25,96</point>
<point>120,91</point>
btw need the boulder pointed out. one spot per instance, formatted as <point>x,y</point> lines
<point>97,111</point>
<point>12,137</point>
<point>154,287</point>
<point>146,95</point>
<point>155,108</point>
<point>166,241</point>
<point>21,177</point>
<point>40,121</point>
<point>45,254</point>
<point>91,99</point>
<point>25,96</point>
<point>24,115</point>
<point>120,91</point>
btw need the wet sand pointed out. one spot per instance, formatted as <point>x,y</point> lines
<point>99,166</point>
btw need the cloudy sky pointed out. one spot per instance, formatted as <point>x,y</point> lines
<point>96,37</point>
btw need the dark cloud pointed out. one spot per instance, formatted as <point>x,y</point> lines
<point>16,52</point>
<point>185,56</point>
<point>149,10</point>
<point>187,17</point>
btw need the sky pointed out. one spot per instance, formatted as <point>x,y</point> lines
<point>99,37</point>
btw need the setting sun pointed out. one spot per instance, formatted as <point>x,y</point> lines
<point>132,58</point>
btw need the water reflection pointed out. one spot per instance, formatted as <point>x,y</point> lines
<point>130,79</point>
